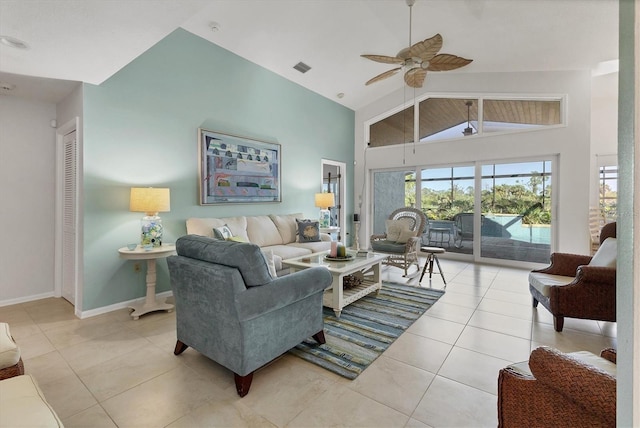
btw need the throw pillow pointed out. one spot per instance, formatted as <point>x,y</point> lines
<point>222,232</point>
<point>394,228</point>
<point>405,235</point>
<point>271,265</point>
<point>308,230</point>
<point>236,239</point>
<point>606,254</point>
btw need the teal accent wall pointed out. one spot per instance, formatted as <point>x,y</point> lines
<point>141,128</point>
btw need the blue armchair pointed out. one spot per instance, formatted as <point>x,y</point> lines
<point>230,309</point>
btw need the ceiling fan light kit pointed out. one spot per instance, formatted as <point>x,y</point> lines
<point>417,59</point>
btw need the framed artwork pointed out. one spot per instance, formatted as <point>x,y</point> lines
<point>235,169</point>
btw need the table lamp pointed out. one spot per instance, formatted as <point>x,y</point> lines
<point>150,200</point>
<point>324,201</point>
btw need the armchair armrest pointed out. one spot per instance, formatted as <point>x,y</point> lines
<point>589,387</point>
<point>256,301</point>
<point>325,237</point>
<point>565,264</point>
<point>609,354</point>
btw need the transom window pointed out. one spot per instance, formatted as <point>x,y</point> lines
<point>442,118</point>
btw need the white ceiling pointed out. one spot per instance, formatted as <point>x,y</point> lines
<point>90,40</point>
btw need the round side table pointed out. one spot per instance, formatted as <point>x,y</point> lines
<point>151,303</point>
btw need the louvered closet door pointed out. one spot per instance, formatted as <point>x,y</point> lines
<point>69,218</point>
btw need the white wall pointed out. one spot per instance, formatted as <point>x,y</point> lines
<point>27,191</point>
<point>604,127</point>
<point>571,143</point>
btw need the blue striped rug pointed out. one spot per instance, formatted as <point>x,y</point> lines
<point>366,328</point>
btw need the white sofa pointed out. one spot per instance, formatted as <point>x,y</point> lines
<point>278,233</point>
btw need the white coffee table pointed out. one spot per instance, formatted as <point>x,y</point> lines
<point>336,296</point>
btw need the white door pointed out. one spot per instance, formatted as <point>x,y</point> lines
<point>69,216</point>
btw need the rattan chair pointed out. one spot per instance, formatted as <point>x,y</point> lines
<point>573,288</point>
<point>559,390</point>
<point>402,254</point>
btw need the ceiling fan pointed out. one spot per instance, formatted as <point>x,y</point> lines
<point>417,59</point>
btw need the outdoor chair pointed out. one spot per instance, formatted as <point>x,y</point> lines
<point>554,389</point>
<point>402,238</point>
<point>463,228</point>
<point>579,286</point>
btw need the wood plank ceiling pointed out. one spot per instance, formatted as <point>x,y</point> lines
<point>439,114</point>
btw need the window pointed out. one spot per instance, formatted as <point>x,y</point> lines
<point>441,118</point>
<point>608,189</point>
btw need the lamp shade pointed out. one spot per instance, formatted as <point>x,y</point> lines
<point>325,200</point>
<point>150,200</point>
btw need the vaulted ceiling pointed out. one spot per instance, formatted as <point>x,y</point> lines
<point>90,40</point>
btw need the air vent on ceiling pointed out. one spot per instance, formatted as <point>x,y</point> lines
<point>302,67</point>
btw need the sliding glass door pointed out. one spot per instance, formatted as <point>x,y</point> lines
<point>516,211</point>
<point>488,210</point>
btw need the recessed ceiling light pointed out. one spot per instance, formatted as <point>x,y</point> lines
<point>214,26</point>
<point>340,94</point>
<point>13,42</point>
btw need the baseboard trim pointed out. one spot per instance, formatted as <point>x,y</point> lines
<point>26,299</point>
<point>117,306</point>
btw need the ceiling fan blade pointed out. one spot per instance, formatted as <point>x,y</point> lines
<point>384,59</point>
<point>446,62</point>
<point>383,75</point>
<point>428,48</point>
<point>415,77</point>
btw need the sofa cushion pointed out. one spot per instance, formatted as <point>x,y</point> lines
<point>244,256</point>
<point>606,254</point>
<point>308,230</point>
<point>542,281</point>
<point>271,264</point>
<point>287,251</point>
<point>22,404</point>
<point>287,226</point>
<point>262,231</point>
<point>387,246</point>
<point>314,247</point>
<point>204,226</point>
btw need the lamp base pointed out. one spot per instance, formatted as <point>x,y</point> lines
<point>152,230</point>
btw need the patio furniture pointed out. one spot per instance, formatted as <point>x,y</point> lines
<point>230,308</point>
<point>440,232</point>
<point>555,389</point>
<point>579,286</point>
<point>463,228</point>
<point>402,238</point>
<point>431,257</point>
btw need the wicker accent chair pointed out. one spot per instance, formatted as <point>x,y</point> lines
<point>402,252</point>
<point>579,286</point>
<point>559,390</point>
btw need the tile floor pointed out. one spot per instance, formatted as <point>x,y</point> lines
<point>110,371</point>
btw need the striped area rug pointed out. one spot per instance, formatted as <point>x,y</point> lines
<point>366,328</point>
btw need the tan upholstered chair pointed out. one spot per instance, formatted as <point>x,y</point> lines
<point>402,238</point>
<point>578,286</point>
<point>555,389</point>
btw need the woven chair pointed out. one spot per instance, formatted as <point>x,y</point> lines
<point>575,286</point>
<point>559,390</point>
<point>402,254</point>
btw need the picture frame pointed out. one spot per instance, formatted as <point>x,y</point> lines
<point>235,169</point>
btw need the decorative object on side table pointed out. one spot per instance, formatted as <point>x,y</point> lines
<point>356,231</point>
<point>151,201</point>
<point>324,201</point>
